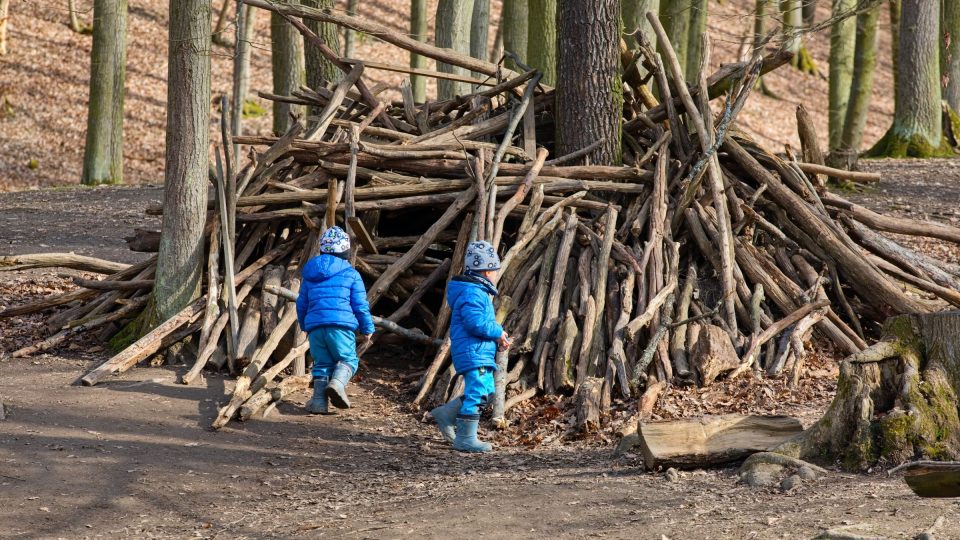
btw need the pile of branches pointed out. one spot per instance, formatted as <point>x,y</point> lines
<point>704,256</point>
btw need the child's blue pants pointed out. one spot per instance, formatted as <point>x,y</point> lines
<point>330,345</point>
<point>478,391</point>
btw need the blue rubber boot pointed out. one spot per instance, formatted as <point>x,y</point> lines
<point>337,387</point>
<point>319,405</point>
<point>446,418</point>
<point>466,439</point>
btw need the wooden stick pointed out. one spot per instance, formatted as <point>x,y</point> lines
<point>419,71</point>
<point>771,331</point>
<point>133,285</point>
<point>326,116</point>
<point>853,176</point>
<point>63,260</point>
<point>51,342</point>
<point>519,196</point>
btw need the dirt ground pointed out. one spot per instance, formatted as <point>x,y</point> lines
<point>133,457</point>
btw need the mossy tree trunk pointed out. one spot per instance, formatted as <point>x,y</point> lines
<point>103,151</point>
<point>453,32</point>
<point>792,38</point>
<point>635,16</point>
<point>842,47</point>
<point>480,31</point>
<point>675,16</point>
<point>916,129</point>
<point>589,90</point>
<point>542,38</point>
<point>861,88</point>
<point>950,52</point>
<point>513,19</point>
<point>321,71</point>
<point>698,27</point>
<point>286,49</point>
<point>418,31</point>
<point>895,402</point>
<point>180,258</point>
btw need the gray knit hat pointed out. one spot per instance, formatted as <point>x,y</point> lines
<point>481,256</point>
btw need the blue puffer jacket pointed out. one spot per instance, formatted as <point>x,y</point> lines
<point>332,294</point>
<point>473,325</point>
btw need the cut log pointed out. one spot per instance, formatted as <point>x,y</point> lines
<point>588,405</point>
<point>714,354</point>
<point>712,440</point>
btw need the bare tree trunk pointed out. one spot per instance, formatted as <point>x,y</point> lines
<point>916,129</point>
<point>4,15</point>
<point>793,39</point>
<point>635,16</point>
<point>861,89</point>
<point>698,27</point>
<point>675,16</point>
<point>320,70</point>
<point>221,24</point>
<point>895,42</point>
<point>74,19</point>
<point>950,53</point>
<point>246,22</point>
<point>842,46</point>
<point>479,30</point>
<point>542,38</point>
<point>286,47</point>
<point>589,88</point>
<point>418,31</point>
<point>453,32</point>
<point>350,36</point>
<point>103,151</point>
<point>809,13</point>
<point>180,259</point>
<point>513,19</point>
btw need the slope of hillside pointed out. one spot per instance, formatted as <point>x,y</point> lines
<point>45,78</point>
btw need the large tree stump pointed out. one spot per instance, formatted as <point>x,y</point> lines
<point>895,402</point>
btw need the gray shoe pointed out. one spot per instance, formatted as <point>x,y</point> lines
<point>337,387</point>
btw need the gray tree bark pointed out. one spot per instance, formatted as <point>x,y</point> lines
<point>180,259</point>
<point>842,46</point>
<point>542,38</point>
<point>479,30</point>
<point>698,27</point>
<point>350,37</point>
<point>453,32</point>
<point>916,129</point>
<point>635,16</point>
<point>950,52</point>
<point>246,22</point>
<point>895,42</point>
<point>320,70</point>
<point>418,31</point>
<point>589,88</point>
<point>675,16</point>
<point>861,88</point>
<point>286,47</point>
<point>513,19</point>
<point>103,151</point>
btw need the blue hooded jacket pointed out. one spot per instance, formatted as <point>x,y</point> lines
<point>332,294</point>
<point>473,325</point>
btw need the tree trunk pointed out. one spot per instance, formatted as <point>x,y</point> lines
<point>793,40</point>
<point>513,19</point>
<point>589,89</point>
<point>221,23</point>
<point>453,32</point>
<point>74,19</point>
<point>479,31</point>
<point>842,46</point>
<point>246,23</point>
<point>698,27</point>
<point>916,129</point>
<point>350,36</point>
<point>950,53</point>
<point>418,31</point>
<point>635,16</point>
<point>286,48</point>
<point>895,402</point>
<point>103,151</point>
<point>675,16</point>
<point>4,15</point>
<point>895,42</point>
<point>809,13</point>
<point>861,88</point>
<point>542,38</point>
<point>320,71</point>
<point>180,260</point>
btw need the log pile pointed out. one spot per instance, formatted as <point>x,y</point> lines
<point>704,256</point>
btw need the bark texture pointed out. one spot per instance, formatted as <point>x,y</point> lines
<point>320,70</point>
<point>842,47</point>
<point>861,87</point>
<point>542,38</point>
<point>589,88</point>
<point>180,259</point>
<point>103,151</point>
<point>675,16</point>
<point>246,22</point>
<point>513,19</point>
<point>916,129</point>
<point>418,31</point>
<point>698,27</point>
<point>453,32</point>
<point>635,16</point>
<point>286,49</point>
<point>950,53</point>
<point>479,31</point>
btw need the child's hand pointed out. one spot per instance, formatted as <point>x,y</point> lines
<point>504,342</point>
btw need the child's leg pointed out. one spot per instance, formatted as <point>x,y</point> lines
<point>323,364</point>
<point>477,392</point>
<point>342,344</point>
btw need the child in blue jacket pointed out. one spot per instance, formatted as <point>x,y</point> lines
<point>332,305</point>
<point>475,337</point>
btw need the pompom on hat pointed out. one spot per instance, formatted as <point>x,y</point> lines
<point>334,240</point>
<point>481,256</point>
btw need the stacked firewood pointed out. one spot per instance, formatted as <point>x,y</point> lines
<point>704,256</point>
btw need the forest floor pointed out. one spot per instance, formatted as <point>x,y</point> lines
<point>134,458</point>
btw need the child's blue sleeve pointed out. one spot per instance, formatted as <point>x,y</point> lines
<point>360,306</point>
<point>479,319</point>
<point>303,303</point>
